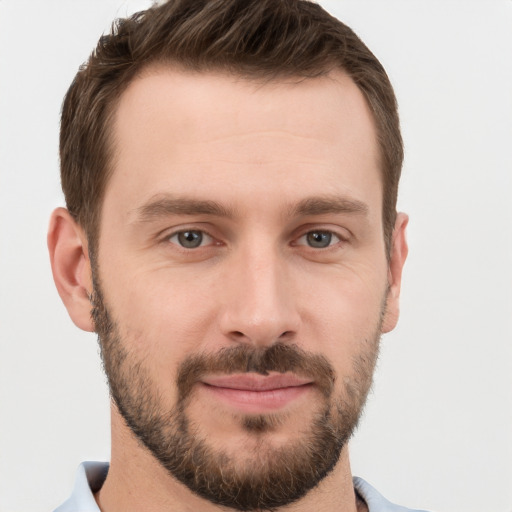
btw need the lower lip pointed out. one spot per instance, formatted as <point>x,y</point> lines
<point>257,402</point>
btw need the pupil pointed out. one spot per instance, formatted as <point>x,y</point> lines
<point>190,239</point>
<point>319,239</point>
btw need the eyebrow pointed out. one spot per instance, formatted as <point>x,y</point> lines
<point>165,206</point>
<point>329,204</point>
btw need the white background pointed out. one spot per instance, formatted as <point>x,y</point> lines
<point>437,432</point>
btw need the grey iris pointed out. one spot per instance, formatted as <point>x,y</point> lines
<point>190,239</point>
<point>319,239</point>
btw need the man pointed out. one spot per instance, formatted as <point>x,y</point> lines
<point>230,169</point>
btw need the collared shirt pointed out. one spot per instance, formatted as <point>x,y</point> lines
<point>91,475</point>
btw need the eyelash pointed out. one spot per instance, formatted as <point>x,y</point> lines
<point>323,233</point>
<point>338,239</point>
<point>203,234</point>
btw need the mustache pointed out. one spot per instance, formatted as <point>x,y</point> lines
<point>279,357</point>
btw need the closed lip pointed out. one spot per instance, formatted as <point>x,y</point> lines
<point>256,382</point>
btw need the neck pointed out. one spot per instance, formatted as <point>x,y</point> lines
<point>137,481</point>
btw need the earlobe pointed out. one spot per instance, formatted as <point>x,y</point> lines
<point>399,250</point>
<point>71,268</point>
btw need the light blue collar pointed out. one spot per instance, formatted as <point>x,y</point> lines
<point>91,475</point>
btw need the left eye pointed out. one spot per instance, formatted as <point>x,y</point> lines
<point>190,238</point>
<point>319,239</point>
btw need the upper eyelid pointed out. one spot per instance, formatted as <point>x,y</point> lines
<point>167,233</point>
<point>341,232</point>
<point>184,230</point>
<point>330,231</point>
<point>177,232</point>
<point>340,238</point>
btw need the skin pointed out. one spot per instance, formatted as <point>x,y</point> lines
<point>260,152</point>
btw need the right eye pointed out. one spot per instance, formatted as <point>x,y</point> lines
<point>190,238</point>
<point>319,239</point>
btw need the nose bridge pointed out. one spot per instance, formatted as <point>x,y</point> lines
<point>260,306</point>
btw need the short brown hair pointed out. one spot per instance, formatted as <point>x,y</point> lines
<point>263,39</point>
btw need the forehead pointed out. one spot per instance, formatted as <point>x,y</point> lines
<point>196,132</point>
<point>330,106</point>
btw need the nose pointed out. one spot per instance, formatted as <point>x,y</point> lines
<point>259,305</point>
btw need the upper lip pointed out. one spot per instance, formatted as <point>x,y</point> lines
<point>256,382</point>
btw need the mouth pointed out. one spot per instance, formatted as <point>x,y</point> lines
<point>256,394</point>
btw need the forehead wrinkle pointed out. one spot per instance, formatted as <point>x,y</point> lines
<point>164,205</point>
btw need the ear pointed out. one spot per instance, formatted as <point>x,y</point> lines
<point>71,267</point>
<point>397,258</point>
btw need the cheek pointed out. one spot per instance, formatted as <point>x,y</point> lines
<point>350,341</point>
<point>344,320</point>
<point>162,318</point>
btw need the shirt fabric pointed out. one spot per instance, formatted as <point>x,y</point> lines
<point>91,475</point>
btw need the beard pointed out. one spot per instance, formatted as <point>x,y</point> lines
<point>266,477</point>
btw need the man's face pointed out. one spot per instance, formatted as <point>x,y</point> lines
<point>241,277</point>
